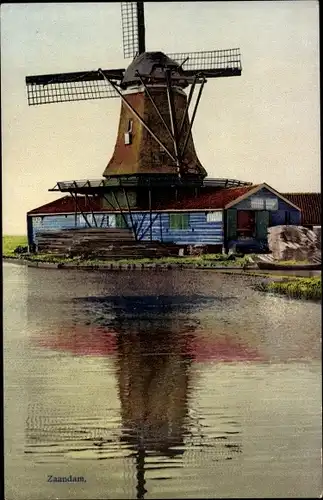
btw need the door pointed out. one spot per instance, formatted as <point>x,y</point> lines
<point>231,224</point>
<point>120,221</point>
<point>262,223</point>
<point>30,235</point>
<point>245,224</point>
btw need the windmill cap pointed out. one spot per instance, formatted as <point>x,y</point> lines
<point>152,64</point>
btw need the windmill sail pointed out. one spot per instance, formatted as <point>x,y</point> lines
<point>66,87</point>
<point>133,28</point>
<point>212,63</point>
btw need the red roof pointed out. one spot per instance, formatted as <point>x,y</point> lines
<point>211,199</point>
<point>215,199</point>
<point>310,205</point>
<point>67,205</point>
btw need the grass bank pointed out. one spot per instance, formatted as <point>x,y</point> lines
<point>293,262</point>
<point>208,260</point>
<point>299,288</point>
<point>9,243</point>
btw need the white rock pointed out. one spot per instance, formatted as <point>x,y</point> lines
<point>293,242</point>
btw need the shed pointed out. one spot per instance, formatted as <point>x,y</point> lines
<point>220,218</point>
<point>248,217</point>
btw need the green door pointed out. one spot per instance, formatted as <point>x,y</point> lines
<point>231,224</point>
<point>262,223</point>
<point>120,222</point>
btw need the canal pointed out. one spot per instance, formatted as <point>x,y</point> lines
<point>171,384</point>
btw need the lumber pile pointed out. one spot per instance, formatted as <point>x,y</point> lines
<point>104,244</point>
<point>294,243</point>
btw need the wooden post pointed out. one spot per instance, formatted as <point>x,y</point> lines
<point>85,218</point>
<point>161,227</point>
<point>150,216</point>
<point>75,206</point>
<point>121,212</point>
<point>130,213</point>
<point>172,115</point>
<point>141,224</point>
<point>93,216</point>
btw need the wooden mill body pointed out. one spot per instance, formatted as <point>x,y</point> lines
<point>137,153</point>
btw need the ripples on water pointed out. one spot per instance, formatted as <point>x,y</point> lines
<point>162,385</point>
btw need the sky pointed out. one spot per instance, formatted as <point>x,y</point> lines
<point>262,126</point>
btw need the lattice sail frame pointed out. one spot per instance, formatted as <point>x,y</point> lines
<point>68,87</point>
<point>133,35</point>
<point>209,61</point>
<point>69,91</point>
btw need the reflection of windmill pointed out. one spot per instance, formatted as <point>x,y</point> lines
<point>154,157</point>
<point>154,379</point>
<point>152,347</point>
<point>153,390</point>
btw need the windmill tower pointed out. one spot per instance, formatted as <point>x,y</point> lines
<point>154,157</point>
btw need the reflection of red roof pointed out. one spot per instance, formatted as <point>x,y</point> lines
<point>82,341</point>
<point>101,341</point>
<point>223,348</point>
<point>310,205</point>
<point>67,205</point>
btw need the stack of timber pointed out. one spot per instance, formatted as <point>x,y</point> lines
<point>105,244</point>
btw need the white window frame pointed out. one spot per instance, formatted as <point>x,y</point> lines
<point>255,203</point>
<point>216,216</point>
<point>263,203</point>
<point>273,202</point>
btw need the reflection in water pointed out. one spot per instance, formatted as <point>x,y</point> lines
<point>153,381</point>
<point>153,345</point>
<point>188,378</point>
<point>153,378</point>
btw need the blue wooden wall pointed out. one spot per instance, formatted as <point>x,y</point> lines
<point>51,223</point>
<point>279,217</point>
<point>282,205</point>
<point>199,230</point>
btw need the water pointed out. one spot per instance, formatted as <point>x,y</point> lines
<point>158,385</point>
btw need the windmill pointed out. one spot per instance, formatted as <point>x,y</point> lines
<point>154,157</point>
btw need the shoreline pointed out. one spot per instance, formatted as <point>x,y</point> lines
<point>139,266</point>
<point>122,267</point>
<point>288,286</point>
